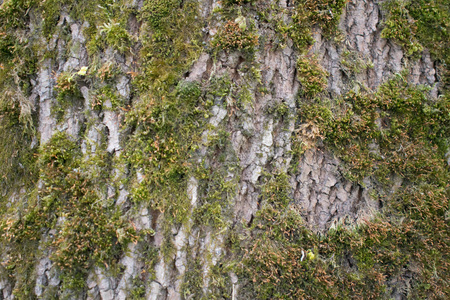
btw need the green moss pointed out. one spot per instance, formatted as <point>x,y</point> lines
<point>86,233</point>
<point>13,12</point>
<point>309,14</point>
<point>238,2</point>
<point>170,44</point>
<point>312,76</point>
<point>411,138</point>
<point>18,144</point>
<point>273,259</point>
<point>410,131</point>
<point>219,281</point>
<point>68,94</point>
<point>189,92</point>
<point>17,57</point>
<point>158,13</point>
<point>167,120</point>
<point>66,84</point>
<point>17,153</point>
<point>417,24</point>
<point>353,63</point>
<point>347,263</point>
<point>220,87</point>
<point>104,94</point>
<point>275,191</point>
<point>138,290</point>
<point>234,36</point>
<point>167,130</point>
<point>407,116</point>
<point>432,19</point>
<point>217,186</point>
<point>116,36</point>
<point>51,12</point>
<point>400,27</point>
<point>193,281</point>
<point>163,147</point>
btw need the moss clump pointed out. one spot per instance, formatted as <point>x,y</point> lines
<point>68,93</point>
<point>85,232</point>
<point>193,281</point>
<point>17,56</point>
<point>13,12</point>
<point>312,76</point>
<point>170,43</point>
<point>366,262</point>
<point>217,183</point>
<point>66,84</point>
<point>17,152</point>
<point>432,19</point>
<point>17,118</point>
<point>236,2</point>
<point>417,24</point>
<point>275,261</point>
<point>116,36</point>
<point>396,132</point>
<point>309,14</point>
<point>407,118</point>
<point>166,120</point>
<point>353,63</point>
<point>234,36</point>
<point>159,12</point>
<point>167,131</point>
<point>400,27</point>
<point>104,94</point>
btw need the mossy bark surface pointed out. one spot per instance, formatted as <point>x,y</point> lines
<point>234,149</point>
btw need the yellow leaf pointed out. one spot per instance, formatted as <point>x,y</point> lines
<point>82,71</point>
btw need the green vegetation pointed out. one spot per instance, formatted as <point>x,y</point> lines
<point>68,94</point>
<point>235,36</point>
<point>171,42</point>
<point>417,24</point>
<point>324,14</point>
<point>166,122</point>
<point>149,257</point>
<point>217,183</point>
<point>239,2</point>
<point>160,148</point>
<point>62,203</point>
<point>17,151</point>
<point>408,236</point>
<point>410,125</point>
<point>86,231</point>
<point>353,63</point>
<point>17,146</point>
<point>411,132</point>
<point>237,30</point>
<point>400,27</point>
<point>312,76</point>
<point>278,258</point>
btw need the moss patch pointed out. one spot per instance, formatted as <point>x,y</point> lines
<point>85,231</point>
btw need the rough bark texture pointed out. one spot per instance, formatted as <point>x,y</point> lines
<point>242,153</point>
